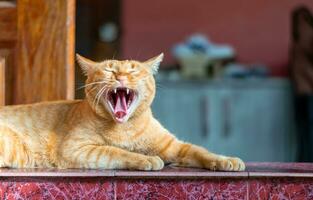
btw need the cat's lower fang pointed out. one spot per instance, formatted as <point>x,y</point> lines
<point>120,101</point>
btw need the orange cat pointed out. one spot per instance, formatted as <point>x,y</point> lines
<point>113,128</point>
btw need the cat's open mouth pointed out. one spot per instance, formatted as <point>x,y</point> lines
<point>120,101</point>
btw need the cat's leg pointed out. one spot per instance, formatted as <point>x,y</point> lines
<point>13,152</point>
<point>183,154</point>
<point>107,157</point>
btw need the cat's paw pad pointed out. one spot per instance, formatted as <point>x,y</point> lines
<point>230,164</point>
<point>153,163</point>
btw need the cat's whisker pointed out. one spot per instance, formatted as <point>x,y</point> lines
<point>159,85</point>
<point>89,84</point>
<point>92,89</point>
<point>101,94</point>
<point>93,83</point>
<point>95,98</point>
<point>98,95</point>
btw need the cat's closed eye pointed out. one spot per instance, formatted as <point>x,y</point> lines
<point>109,70</point>
<point>133,71</point>
<point>109,67</point>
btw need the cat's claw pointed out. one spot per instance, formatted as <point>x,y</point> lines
<point>230,164</point>
<point>152,163</point>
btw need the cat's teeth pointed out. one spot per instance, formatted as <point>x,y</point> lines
<point>127,91</point>
<point>115,91</point>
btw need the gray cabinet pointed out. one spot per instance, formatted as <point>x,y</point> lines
<point>252,119</point>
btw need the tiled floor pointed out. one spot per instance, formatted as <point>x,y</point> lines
<point>260,181</point>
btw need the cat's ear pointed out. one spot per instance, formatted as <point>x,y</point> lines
<point>154,63</point>
<point>88,66</point>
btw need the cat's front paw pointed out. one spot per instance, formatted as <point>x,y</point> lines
<point>230,164</point>
<point>152,163</point>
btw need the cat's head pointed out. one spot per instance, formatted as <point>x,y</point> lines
<point>120,90</point>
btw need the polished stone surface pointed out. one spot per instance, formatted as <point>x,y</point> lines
<point>182,189</point>
<point>281,188</point>
<point>259,181</point>
<point>56,188</point>
<point>253,170</point>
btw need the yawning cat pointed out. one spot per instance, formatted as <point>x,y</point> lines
<point>112,128</point>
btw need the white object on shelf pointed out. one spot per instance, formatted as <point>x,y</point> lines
<point>197,52</point>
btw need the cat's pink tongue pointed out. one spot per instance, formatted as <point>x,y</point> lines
<point>120,109</point>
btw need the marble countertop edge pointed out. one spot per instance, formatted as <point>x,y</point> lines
<point>253,170</point>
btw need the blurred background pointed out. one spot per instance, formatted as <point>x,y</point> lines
<point>237,76</point>
<point>229,78</point>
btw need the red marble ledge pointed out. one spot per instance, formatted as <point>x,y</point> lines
<point>253,170</point>
<point>270,169</point>
<point>259,181</point>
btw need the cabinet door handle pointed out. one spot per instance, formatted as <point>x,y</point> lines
<point>204,116</point>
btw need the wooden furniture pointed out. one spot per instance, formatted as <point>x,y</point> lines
<point>259,181</point>
<point>251,119</point>
<point>36,51</point>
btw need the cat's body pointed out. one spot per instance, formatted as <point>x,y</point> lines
<point>43,135</point>
<point>113,128</point>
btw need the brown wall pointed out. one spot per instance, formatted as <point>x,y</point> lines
<point>258,29</point>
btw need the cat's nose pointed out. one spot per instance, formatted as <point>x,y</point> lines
<point>122,79</point>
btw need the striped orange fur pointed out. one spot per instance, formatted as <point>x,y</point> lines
<point>112,128</point>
